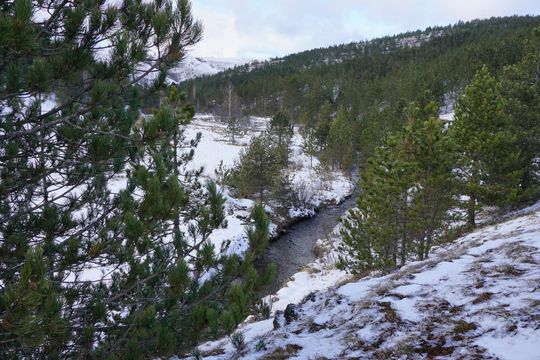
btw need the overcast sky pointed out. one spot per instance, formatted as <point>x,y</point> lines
<point>268,28</point>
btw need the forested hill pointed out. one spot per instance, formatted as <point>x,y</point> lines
<point>369,79</point>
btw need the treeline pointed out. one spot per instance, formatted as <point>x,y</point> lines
<point>372,81</point>
<point>417,184</point>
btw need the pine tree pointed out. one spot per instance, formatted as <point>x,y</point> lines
<point>233,128</point>
<point>373,229</point>
<point>222,173</point>
<point>405,194</point>
<point>433,188</point>
<point>339,149</point>
<point>309,144</point>
<point>520,86</point>
<point>258,168</point>
<point>281,127</point>
<point>104,230</point>
<point>32,310</point>
<point>322,126</point>
<point>488,152</point>
<point>258,233</point>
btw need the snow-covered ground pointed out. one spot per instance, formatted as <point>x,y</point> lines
<point>192,67</point>
<point>215,147</point>
<point>477,298</point>
<point>447,117</point>
<point>316,188</point>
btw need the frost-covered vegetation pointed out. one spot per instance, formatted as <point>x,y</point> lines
<point>217,156</point>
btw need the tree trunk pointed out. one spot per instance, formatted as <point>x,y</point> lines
<point>176,225</point>
<point>43,161</point>
<point>428,244</point>
<point>471,211</point>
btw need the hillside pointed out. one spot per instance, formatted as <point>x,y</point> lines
<point>477,298</point>
<point>311,206</point>
<point>193,67</point>
<point>460,49</point>
<point>374,80</point>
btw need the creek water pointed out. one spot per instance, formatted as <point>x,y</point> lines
<point>294,249</point>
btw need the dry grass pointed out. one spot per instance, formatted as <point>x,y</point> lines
<point>483,298</point>
<point>462,327</point>
<point>283,353</point>
<point>309,269</point>
<point>318,250</point>
<point>390,315</point>
<point>509,270</point>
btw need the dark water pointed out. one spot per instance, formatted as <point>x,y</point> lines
<point>294,249</point>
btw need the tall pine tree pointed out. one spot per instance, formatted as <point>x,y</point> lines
<point>104,230</point>
<point>405,194</point>
<point>521,89</point>
<point>488,155</point>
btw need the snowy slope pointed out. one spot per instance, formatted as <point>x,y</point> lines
<point>478,298</point>
<point>192,67</point>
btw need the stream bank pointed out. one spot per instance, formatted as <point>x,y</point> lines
<point>293,249</point>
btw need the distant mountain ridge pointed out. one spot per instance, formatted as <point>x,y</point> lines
<point>334,54</point>
<point>193,67</point>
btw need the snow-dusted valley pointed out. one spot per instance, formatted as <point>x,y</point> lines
<point>215,149</point>
<point>477,298</point>
<point>374,199</point>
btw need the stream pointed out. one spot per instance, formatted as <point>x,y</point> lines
<point>294,249</point>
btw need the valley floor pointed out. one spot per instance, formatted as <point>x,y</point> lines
<point>215,147</point>
<point>478,298</point>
